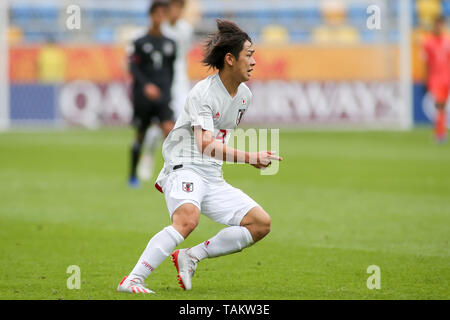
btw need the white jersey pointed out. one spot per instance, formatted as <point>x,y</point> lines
<point>210,106</point>
<point>181,32</point>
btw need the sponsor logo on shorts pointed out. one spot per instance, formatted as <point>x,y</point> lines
<point>188,186</point>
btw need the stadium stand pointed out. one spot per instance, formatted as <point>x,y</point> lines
<point>293,21</point>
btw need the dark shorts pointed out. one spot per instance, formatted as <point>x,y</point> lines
<point>145,111</point>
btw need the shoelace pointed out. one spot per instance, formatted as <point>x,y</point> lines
<point>137,282</point>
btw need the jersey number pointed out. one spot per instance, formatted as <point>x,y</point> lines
<point>157,59</point>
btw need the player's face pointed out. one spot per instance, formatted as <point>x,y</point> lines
<point>175,11</point>
<point>158,16</point>
<point>439,27</point>
<point>246,61</point>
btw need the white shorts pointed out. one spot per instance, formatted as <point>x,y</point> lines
<point>221,202</point>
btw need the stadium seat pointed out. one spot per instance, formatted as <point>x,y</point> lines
<point>347,35</point>
<point>336,34</point>
<point>322,34</point>
<point>427,11</point>
<point>275,34</point>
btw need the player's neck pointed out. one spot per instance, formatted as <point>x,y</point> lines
<point>155,31</point>
<point>229,82</point>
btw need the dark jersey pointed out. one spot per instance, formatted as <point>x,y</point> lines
<point>152,61</point>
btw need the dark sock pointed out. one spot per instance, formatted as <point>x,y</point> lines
<point>135,154</point>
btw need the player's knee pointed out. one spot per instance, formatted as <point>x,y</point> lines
<point>185,227</point>
<point>258,222</point>
<point>265,226</point>
<point>190,225</point>
<point>185,219</point>
<point>260,229</point>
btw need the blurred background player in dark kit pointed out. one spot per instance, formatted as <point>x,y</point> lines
<point>179,29</point>
<point>437,74</point>
<point>152,70</point>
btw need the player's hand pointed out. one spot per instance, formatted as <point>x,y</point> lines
<point>263,159</point>
<point>152,92</point>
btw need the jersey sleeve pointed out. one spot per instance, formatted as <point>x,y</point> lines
<point>173,61</point>
<point>187,32</point>
<point>200,114</point>
<point>250,98</point>
<point>135,60</point>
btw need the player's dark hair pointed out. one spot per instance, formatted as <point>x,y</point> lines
<point>228,39</point>
<point>157,4</point>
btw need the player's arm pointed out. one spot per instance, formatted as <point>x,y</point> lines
<point>209,146</point>
<point>172,64</point>
<point>150,89</point>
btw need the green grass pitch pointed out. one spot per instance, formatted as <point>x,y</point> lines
<point>342,201</point>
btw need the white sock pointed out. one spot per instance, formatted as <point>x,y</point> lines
<point>152,139</point>
<point>227,241</point>
<point>158,249</point>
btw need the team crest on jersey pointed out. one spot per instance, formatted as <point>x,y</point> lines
<point>188,186</point>
<point>147,47</point>
<point>240,115</point>
<point>168,48</point>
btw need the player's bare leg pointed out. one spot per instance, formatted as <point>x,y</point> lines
<point>184,221</point>
<point>257,221</point>
<point>254,226</point>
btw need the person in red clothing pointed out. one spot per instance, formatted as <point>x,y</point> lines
<point>437,55</point>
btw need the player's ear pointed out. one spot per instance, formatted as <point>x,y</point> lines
<point>229,59</point>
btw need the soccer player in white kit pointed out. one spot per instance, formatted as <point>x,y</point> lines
<point>181,31</point>
<point>192,179</point>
